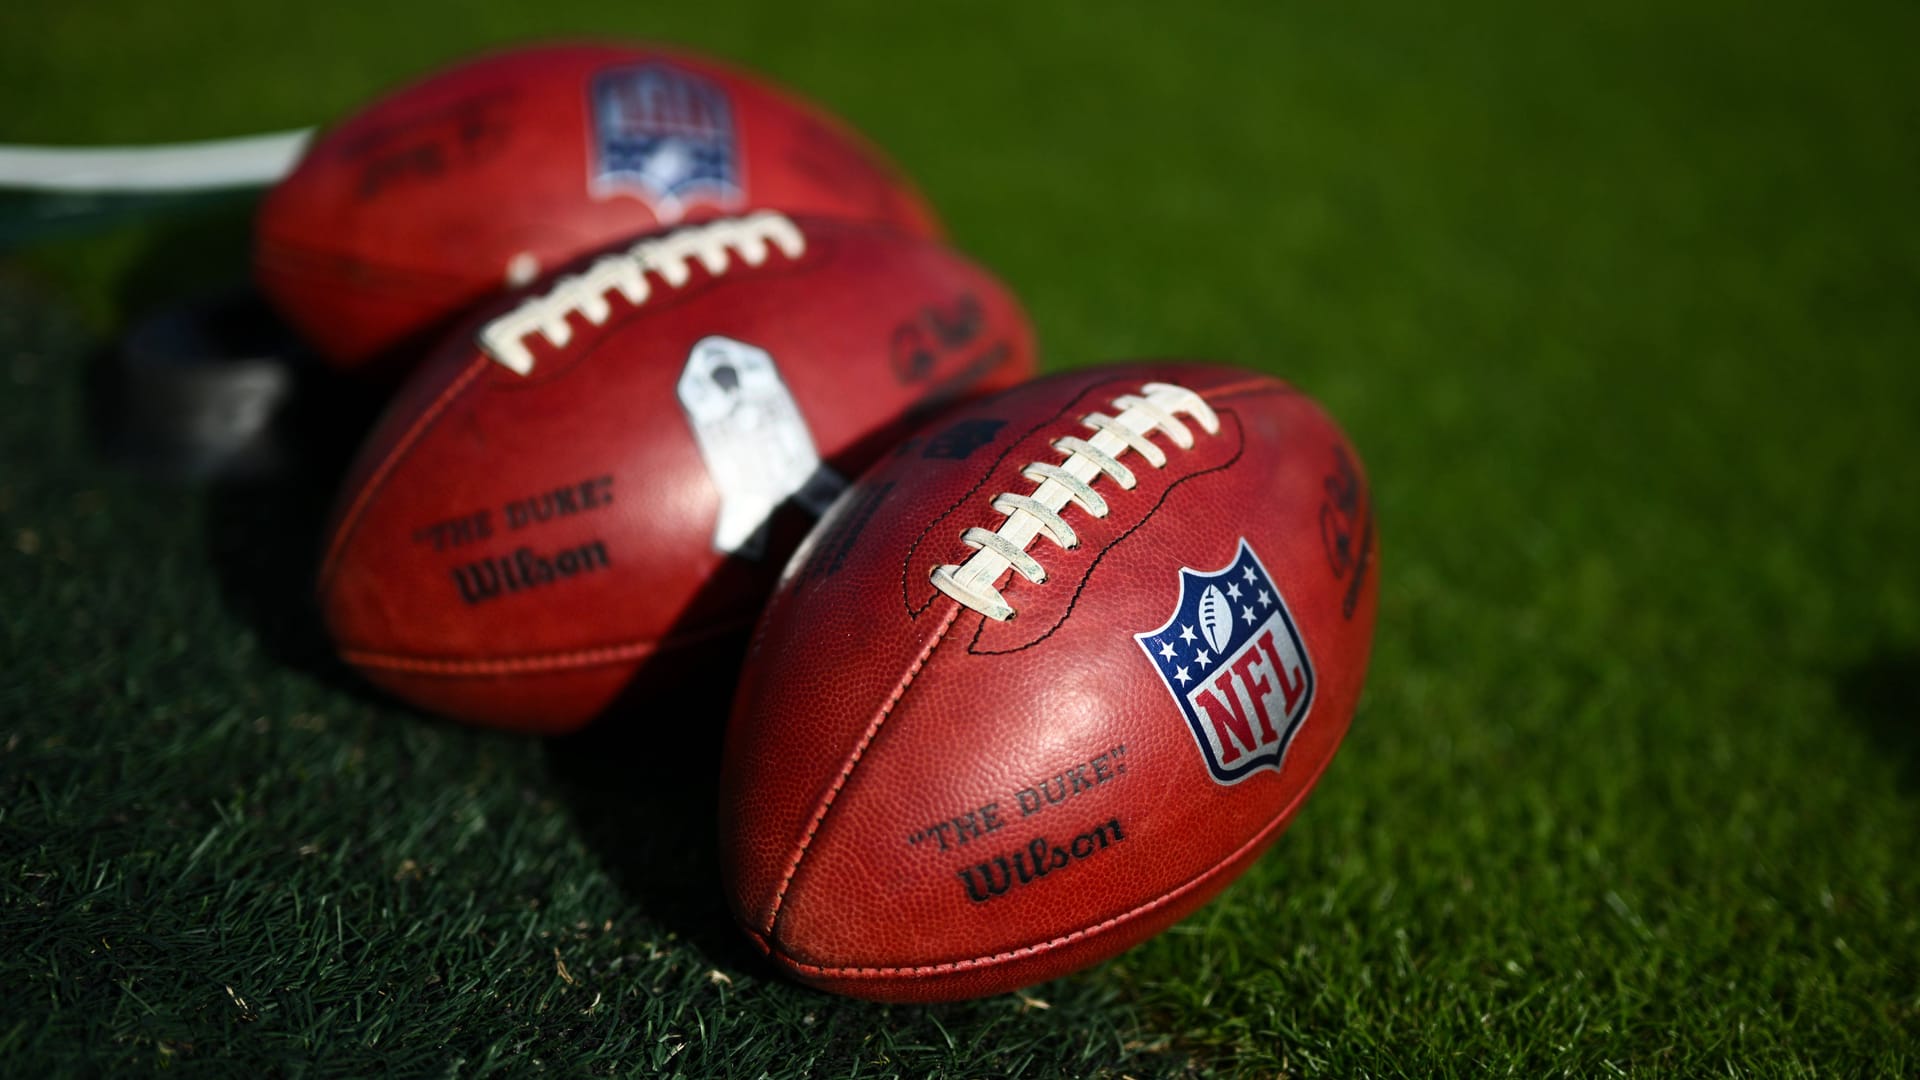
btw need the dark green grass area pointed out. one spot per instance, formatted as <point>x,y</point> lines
<point>1622,307</point>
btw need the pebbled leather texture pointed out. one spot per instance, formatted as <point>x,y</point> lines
<point>399,217</point>
<point>590,463</point>
<point>894,755</point>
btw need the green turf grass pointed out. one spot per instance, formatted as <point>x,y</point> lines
<point>1622,307</point>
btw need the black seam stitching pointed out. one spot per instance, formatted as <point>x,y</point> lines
<point>1280,389</point>
<point>1239,451</point>
<point>906,562</point>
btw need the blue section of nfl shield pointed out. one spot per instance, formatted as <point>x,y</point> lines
<point>666,135</point>
<point>1232,657</point>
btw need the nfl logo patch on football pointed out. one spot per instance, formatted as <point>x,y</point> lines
<point>1234,662</point>
<point>666,135</point>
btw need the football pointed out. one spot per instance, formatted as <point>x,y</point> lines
<point>593,486</point>
<point>1045,679</point>
<point>489,174</point>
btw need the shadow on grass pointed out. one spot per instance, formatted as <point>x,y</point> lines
<point>1882,694</point>
<point>642,784</point>
<point>264,532</point>
<point>643,779</point>
<point>193,323</point>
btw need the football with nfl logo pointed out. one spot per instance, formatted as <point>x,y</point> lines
<point>1046,679</point>
<point>494,172</point>
<point>594,484</point>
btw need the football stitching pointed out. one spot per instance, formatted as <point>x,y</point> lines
<point>846,770</point>
<point>973,645</point>
<point>415,665</point>
<point>586,294</point>
<point>1251,388</point>
<point>906,564</point>
<point>1280,820</point>
<point>1253,385</point>
<point>558,661</point>
<point>1030,513</point>
<point>350,522</point>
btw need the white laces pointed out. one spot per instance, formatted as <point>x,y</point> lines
<point>713,245</point>
<point>1030,516</point>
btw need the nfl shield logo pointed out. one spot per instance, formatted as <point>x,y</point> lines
<point>1234,662</point>
<point>665,135</point>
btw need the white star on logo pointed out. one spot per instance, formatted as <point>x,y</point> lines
<point>1246,615</point>
<point>1183,676</point>
<point>1186,634</point>
<point>1233,591</point>
<point>1248,575</point>
<point>1166,650</point>
<point>1201,658</point>
<point>1265,600</point>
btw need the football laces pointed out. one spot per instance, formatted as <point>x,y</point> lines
<point>1157,407</point>
<point>714,245</point>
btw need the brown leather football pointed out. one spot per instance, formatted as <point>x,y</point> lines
<point>598,480</point>
<point>1046,679</point>
<point>498,170</point>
